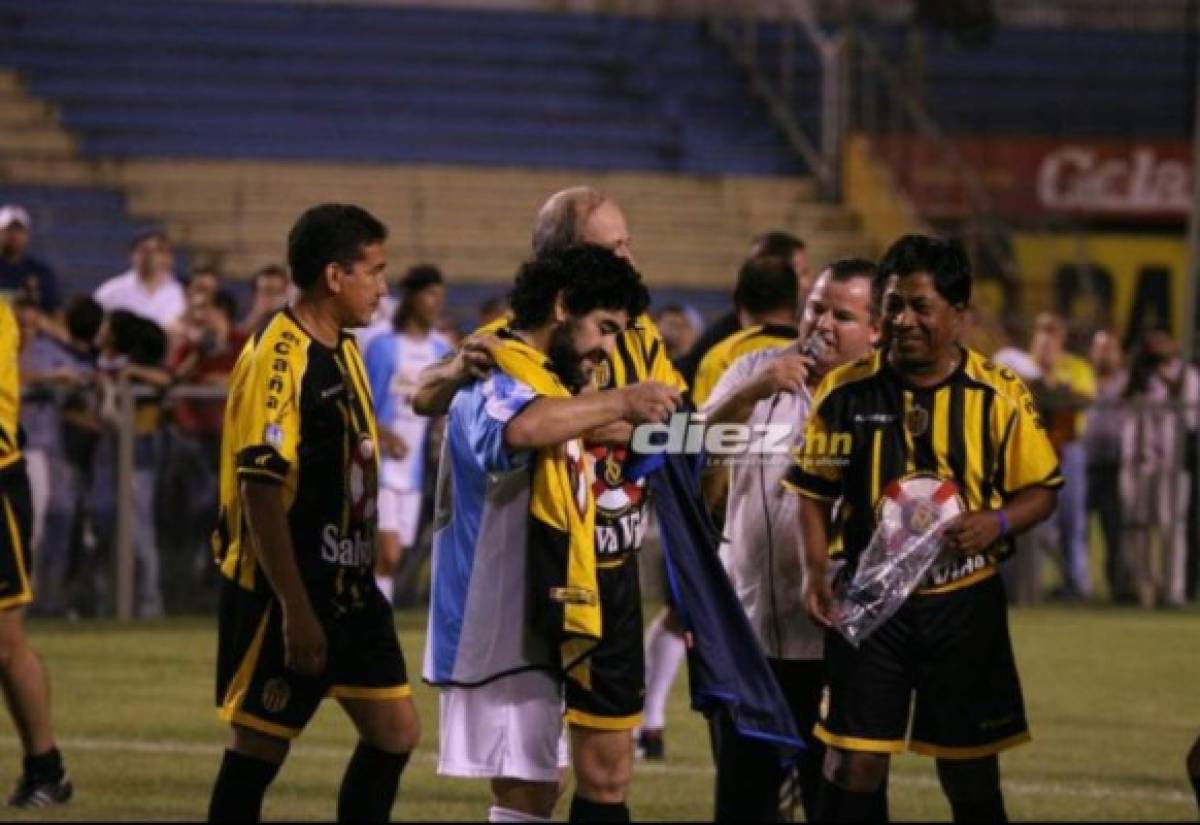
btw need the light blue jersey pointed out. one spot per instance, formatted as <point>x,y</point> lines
<point>394,363</point>
<point>477,616</point>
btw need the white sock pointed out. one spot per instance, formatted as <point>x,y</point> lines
<point>664,651</point>
<point>498,814</point>
<point>388,585</point>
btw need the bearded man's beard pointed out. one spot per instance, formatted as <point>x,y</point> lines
<point>565,362</point>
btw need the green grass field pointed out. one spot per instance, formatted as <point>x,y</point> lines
<point>1112,694</point>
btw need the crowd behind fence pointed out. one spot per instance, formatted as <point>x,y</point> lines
<point>126,496</point>
<point>123,396</point>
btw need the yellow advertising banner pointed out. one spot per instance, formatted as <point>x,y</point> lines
<point>1125,282</point>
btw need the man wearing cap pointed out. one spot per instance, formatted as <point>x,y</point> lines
<point>22,275</point>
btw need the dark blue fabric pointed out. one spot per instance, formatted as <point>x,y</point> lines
<point>726,665</point>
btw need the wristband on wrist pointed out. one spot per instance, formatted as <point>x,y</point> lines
<point>1004,526</point>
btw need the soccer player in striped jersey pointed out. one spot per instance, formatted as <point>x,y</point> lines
<point>301,617</point>
<point>922,407</point>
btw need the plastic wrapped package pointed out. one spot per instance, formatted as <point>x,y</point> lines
<point>911,519</point>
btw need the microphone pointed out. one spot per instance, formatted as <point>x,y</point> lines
<point>815,346</point>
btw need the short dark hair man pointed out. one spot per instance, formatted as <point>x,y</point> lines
<point>766,294</point>
<point>301,617</point>
<point>774,244</point>
<point>924,406</point>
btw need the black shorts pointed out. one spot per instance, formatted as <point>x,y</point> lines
<point>255,689</point>
<point>616,691</point>
<point>16,519</point>
<point>953,650</point>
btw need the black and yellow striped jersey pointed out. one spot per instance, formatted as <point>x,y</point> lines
<point>726,351</point>
<point>638,355</point>
<point>299,415</point>
<point>10,387</point>
<point>869,428</point>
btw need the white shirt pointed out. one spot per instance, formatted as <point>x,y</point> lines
<point>394,364</point>
<point>763,551</point>
<point>164,305</point>
<point>1019,362</point>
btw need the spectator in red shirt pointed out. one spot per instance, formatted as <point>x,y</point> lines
<point>206,356</point>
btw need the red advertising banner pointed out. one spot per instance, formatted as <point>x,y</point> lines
<point>1041,177</point>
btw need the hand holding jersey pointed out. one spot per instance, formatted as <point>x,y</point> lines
<point>514,444</point>
<point>924,406</point>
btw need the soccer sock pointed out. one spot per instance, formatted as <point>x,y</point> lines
<point>836,804</point>
<point>585,810</point>
<point>664,651</point>
<point>369,786</point>
<point>988,808</point>
<point>44,767</point>
<point>881,805</point>
<point>1196,788</point>
<point>498,814</point>
<point>388,585</point>
<point>856,806</point>
<point>242,782</point>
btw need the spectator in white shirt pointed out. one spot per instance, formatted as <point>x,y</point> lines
<point>149,287</point>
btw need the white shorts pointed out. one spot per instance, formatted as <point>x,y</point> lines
<point>511,728</point>
<point>399,512</point>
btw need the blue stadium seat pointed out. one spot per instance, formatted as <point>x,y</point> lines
<point>325,82</point>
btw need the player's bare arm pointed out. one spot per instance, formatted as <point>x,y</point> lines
<point>439,382</point>
<point>304,640</point>
<point>815,518</point>
<point>614,434</point>
<point>554,420</point>
<point>975,532</point>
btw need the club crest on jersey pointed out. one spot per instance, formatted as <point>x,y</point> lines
<point>916,421</point>
<point>603,374</point>
<point>612,471</point>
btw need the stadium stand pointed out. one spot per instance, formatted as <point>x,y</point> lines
<point>1082,82</point>
<point>390,85</point>
<point>245,116</point>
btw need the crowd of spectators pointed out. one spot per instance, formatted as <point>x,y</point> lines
<point>1123,415</point>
